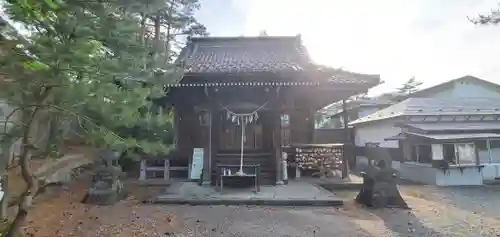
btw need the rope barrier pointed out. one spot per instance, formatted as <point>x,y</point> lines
<point>243,119</point>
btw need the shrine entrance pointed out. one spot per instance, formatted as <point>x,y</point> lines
<point>231,135</point>
<point>254,96</point>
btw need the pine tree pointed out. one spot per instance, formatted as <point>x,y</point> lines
<point>410,86</point>
<point>89,61</point>
<point>492,18</point>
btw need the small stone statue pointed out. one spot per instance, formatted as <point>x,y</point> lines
<point>107,188</point>
<point>380,188</point>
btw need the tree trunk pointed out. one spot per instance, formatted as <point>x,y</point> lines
<point>168,34</point>
<point>27,175</point>
<point>143,37</point>
<point>6,158</point>
<point>53,138</point>
<point>158,47</point>
<point>26,196</point>
<point>5,200</point>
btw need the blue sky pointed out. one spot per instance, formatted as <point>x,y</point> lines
<point>429,39</point>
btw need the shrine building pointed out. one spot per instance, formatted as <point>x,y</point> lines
<point>248,97</point>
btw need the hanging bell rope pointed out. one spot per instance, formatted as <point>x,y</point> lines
<point>243,119</point>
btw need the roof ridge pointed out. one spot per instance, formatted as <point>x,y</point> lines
<point>431,106</point>
<point>215,38</point>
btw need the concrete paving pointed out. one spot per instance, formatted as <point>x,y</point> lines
<point>295,193</point>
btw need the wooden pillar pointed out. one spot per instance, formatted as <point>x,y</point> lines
<point>311,124</point>
<point>275,119</point>
<point>214,138</point>
<point>348,146</point>
<point>213,135</point>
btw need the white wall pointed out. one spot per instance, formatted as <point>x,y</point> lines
<point>376,132</point>
<point>426,174</point>
<point>420,173</point>
<point>457,177</point>
<point>491,171</point>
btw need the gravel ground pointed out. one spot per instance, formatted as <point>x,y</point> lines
<point>436,212</point>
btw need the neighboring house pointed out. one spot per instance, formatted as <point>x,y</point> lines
<point>330,129</point>
<point>456,121</point>
<point>463,87</point>
<point>355,109</point>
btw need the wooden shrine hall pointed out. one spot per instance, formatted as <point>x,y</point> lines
<point>255,93</point>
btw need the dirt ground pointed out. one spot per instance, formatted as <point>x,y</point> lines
<point>435,212</point>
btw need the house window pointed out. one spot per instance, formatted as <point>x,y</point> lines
<point>495,151</point>
<point>483,152</point>
<point>460,153</point>
<point>424,153</point>
<point>449,153</point>
<point>466,153</point>
<point>414,155</point>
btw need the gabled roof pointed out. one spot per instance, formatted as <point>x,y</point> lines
<point>336,108</point>
<point>449,84</point>
<point>434,106</point>
<point>244,54</point>
<point>263,54</point>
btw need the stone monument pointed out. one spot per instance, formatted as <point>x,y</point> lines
<point>107,187</point>
<point>380,188</point>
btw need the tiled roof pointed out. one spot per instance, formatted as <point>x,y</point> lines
<point>443,86</point>
<point>261,54</point>
<point>340,76</point>
<point>456,136</point>
<point>451,126</point>
<point>431,106</point>
<point>244,54</point>
<point>336,108</point>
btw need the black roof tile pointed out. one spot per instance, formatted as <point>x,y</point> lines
<point>260,54</point>
<point>244,54</point>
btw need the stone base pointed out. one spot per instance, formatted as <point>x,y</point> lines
<point>380,194</point>
<point>250,202</point>
<point>293,194</point>
<point>103,197</point>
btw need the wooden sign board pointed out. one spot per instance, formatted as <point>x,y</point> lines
<point>196,164</point>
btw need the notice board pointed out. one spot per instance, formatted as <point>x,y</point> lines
<point>196,164</point>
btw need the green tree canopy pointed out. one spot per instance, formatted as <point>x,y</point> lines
<point>94,62</point>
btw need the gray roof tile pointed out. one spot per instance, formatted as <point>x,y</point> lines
<point>260,54</point>
<point>431,106</point>
<point>456,136</point>
<point>244,54</point>
<point>460,126</point>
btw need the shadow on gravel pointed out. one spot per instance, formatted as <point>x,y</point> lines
<point>403,222</point>
<point>481,200</point>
